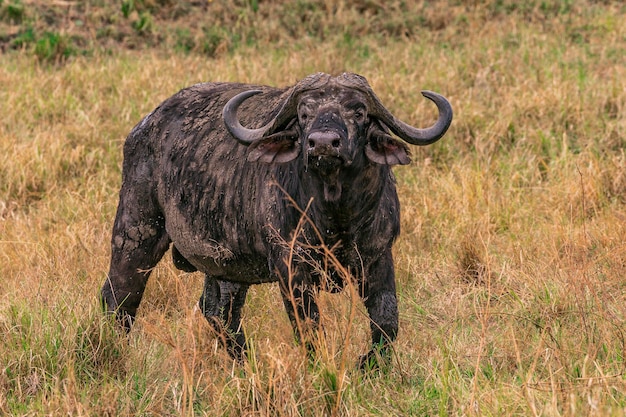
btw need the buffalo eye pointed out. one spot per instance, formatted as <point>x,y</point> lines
<point>304,112</point>
<point>358,114</point>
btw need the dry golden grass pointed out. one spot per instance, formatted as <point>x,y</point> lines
<point>510,267</point>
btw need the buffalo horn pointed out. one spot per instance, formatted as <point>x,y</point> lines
<point>408,133</point>
<point>413,135</point>
<point>288,110</point>
<point>243,135</point>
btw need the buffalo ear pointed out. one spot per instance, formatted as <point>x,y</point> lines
<point>277,148</point>
<point>383,149</point>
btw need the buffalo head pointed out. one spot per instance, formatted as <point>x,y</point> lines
<point>333,121</point>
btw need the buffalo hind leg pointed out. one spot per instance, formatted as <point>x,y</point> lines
<point>139,241</point>
<point>221,303</point>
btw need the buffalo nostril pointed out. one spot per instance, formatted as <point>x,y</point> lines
<point>326,139</point>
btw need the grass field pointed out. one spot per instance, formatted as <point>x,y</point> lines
<point>511,265</point>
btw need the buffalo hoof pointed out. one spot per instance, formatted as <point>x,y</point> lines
<point>237,349</point>
<point>374,360</point>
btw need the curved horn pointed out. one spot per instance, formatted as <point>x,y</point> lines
<point>408,133</point>
<point>244,135</point>
<point>416,136</point>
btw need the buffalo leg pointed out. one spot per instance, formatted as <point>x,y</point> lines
<point>298,297</point>
<point>379,294</point>
<point>221,303</point>
<point>303,312</point>
<point>139,241</point>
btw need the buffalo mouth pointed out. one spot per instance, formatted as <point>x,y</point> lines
<point>327,166</point>
<point>328,169</point>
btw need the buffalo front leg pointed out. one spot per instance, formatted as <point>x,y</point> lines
<point>302,310</point>
<point>221,303</point>
<point>298,297</point>
<point>379,294</point>
<point>139,241</point>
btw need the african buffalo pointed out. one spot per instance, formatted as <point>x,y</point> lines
<point>308,180</point>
